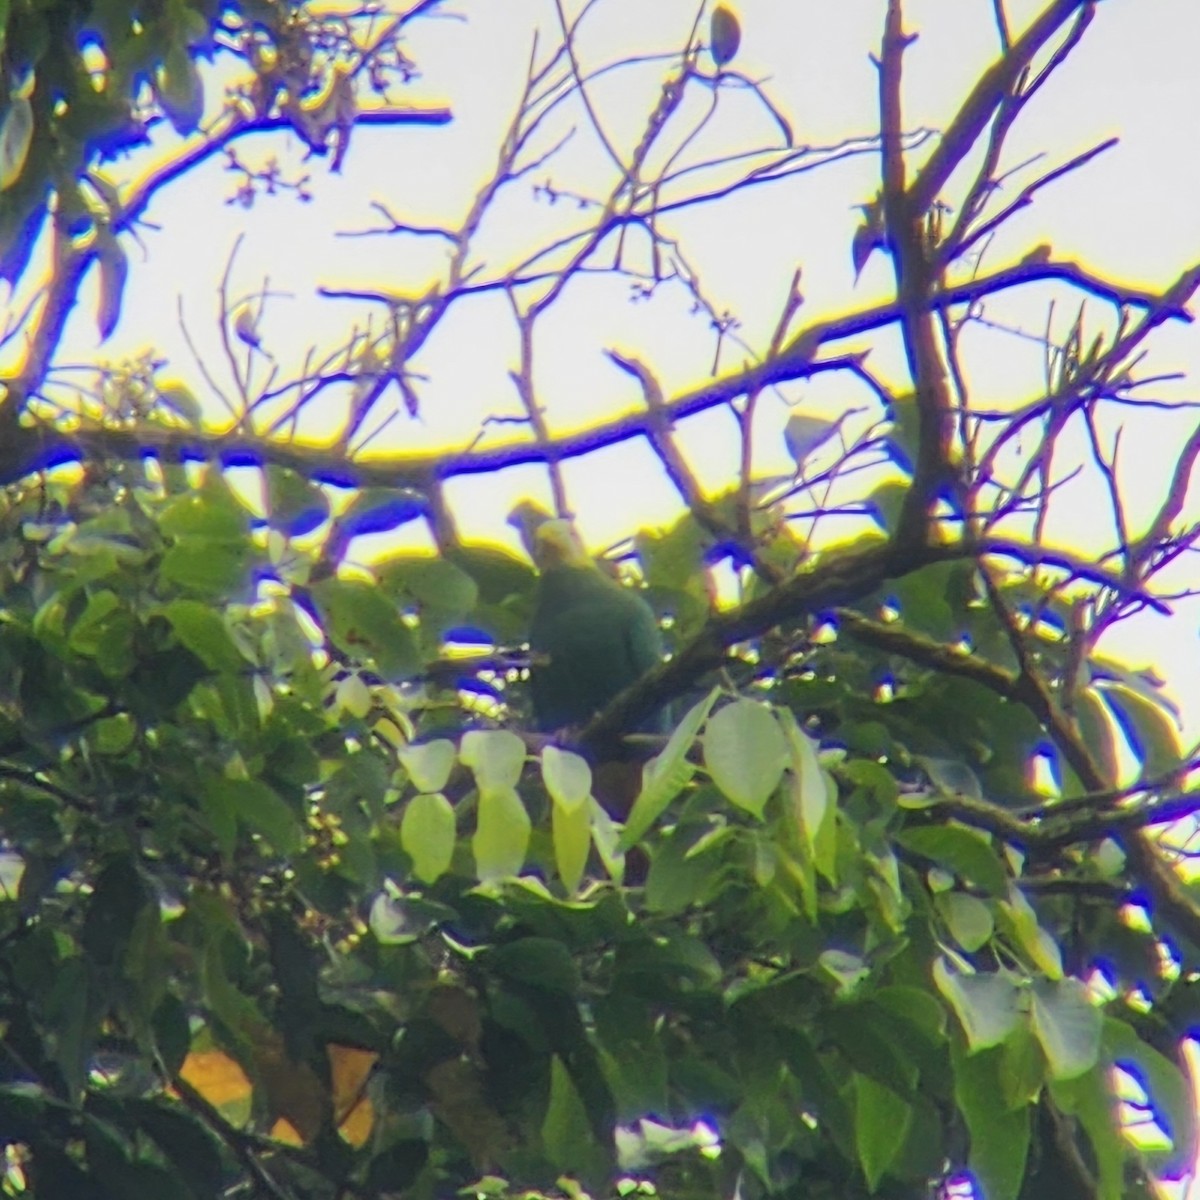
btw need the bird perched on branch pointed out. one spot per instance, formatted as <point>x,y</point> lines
<point>590,637</point>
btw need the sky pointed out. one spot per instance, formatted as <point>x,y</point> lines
<point>1132,215</point>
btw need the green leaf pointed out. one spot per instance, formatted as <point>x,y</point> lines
<point>16,136</point>
<point>1165,1085</point>
<point>1067,1025</point>
<point>968,918</point>
<point>260,809</point>
<point>208,568</point>
<point>501,834</point>
<point>988,1006</point>
<point>496,757</point>
<point>427,833</point>
<point>881,1121</point>
<point>999,1138</point>
<point>1096,728</point>
<point>568,779</point>
<point>812,794</point>
<point>113,735</point>
<point>961,850</point>
<point>572,830</point>
<point>429,763</point>
<point>112,266</point>
<point>1020,923</point>
<point>181,90</point>
<point>1022,1067</point>
<point>362,622</point>
<point>540,962</point>
<point>203,631</point>
<point>211,513</point>
<point>744,752</point>
<point>1089,1099</point>
<point>566,1131</point>
<point>441,592</point>
<point>295,504</point>
<point>666,775</point>
<point>1147,726</point>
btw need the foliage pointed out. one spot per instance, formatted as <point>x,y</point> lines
<point>291,904</point>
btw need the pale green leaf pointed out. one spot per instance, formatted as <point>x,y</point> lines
<point>1023,928</point>
<point>429,763</point>
<point>496,757</point>
<point>501,833</point>
<point>427,834</point>
<point>666,774</point>
<point>744,752</point>
<point>572,829</point>
<point>567,777</point>
<point>988,1006</point>
<point>968,918</point>
<point>1067,1025</point>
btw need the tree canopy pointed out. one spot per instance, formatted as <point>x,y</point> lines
<point>296,897</point>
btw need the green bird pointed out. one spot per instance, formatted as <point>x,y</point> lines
<point>590,637</point>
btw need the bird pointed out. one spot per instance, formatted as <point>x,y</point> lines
<point>590,637</point>
<point>724,35</point>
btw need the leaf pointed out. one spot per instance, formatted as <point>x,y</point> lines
<point>572,832</point>
<point>967,853</point>
<point>427,834</point>
<point>353,1113</point>
<point>180,90</point>
<point>881,1121</point>
<point>496,757</point>
<point>566,1131</point>
<point>295,504</point>
<point>220,1080</point>
<point>1021,921</point>
<point>1067,1025</point>
<point>501,833</point>
<point>429,763</point>
<point>540,962</point>
<point>999,1139</point>
<point>968,918</point>
<point>259,808</point>
<point>567,777</point>
<point>665,775</point>
<point>361,621</point>
<point>208,568</point>
<point>203,631</point>
<point>1148,727</point>
<point>812,793</point>
<point>112,264</point>
<point>1165,1085</point>
<point>16,136</point>
<point>988,1006</point>
<point>1089,1099</point>
<point>952,777</point>
<point>744,752</point>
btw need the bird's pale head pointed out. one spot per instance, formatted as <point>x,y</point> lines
<point>556,544</point>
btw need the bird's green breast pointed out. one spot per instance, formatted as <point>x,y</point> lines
<point>591,638</point>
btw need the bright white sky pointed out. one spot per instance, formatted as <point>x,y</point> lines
<point>1131,215</point>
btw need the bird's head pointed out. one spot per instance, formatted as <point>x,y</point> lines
<point>556,544</point>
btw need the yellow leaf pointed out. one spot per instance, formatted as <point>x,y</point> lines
<point>349,1070</point>
<point>217,1077</point>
